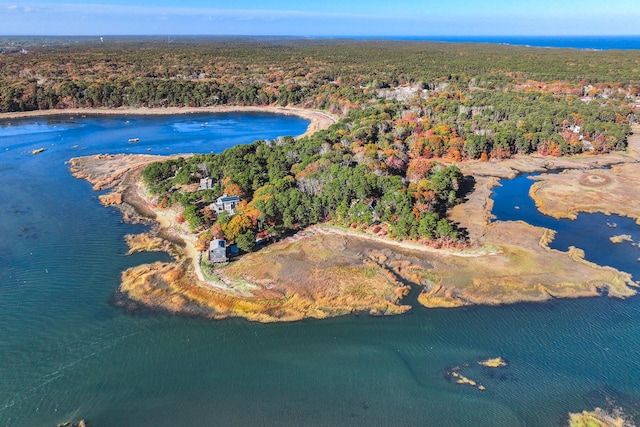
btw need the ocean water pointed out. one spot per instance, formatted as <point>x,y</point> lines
<point>630,42</point>
<point>66,353</point>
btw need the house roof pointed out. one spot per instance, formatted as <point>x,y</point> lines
<point>228,199</point>
<point>217,243</point>
<point>206,183</point>
<point>218,249</point>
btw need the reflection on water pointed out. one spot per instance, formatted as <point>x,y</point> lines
<point>7,129</point>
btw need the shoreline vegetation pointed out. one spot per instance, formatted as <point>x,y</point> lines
<point>325,270</point>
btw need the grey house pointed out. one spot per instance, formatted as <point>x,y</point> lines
<point>227,204</point>
<point>206,184</point>
<point>218,251</point>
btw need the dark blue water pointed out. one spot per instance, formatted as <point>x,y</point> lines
<point>631,42</point>
<point>66,353</point>
<point>590,232</point>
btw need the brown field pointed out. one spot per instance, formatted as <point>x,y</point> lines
<point>315,276</point>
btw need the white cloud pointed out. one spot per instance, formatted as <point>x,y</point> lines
<point>14,8</point>
<point>108,9</point>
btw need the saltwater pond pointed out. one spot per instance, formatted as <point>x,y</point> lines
<point>67,354</point>
<point>590,232</point>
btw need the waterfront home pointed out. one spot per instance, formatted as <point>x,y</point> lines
<point>217,251</point>
<point>227,204</point>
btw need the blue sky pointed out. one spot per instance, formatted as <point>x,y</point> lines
<point>320,17</point>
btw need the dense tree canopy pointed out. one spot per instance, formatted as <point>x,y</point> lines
<point>286,185</point>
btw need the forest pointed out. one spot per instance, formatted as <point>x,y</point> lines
<point>408,112</point>
<point>289,184</point>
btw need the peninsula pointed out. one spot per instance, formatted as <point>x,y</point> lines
<point>387,192</point>
<point>328,270</point>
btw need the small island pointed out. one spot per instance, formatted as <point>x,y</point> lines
<point>496,362</point>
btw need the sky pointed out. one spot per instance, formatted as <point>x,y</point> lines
<point>411,18</point>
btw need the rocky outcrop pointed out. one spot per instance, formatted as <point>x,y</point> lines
<point>598,418</point>
<point>145,242</point>
<point>81,423</point>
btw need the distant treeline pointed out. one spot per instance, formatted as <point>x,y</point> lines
<point>314,73</point>
<point>492,99</point>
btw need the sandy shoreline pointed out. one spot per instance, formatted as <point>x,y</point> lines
<point>319,119</point>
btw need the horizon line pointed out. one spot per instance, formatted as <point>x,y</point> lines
<point>327,36</point>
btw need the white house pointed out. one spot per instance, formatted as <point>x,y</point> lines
<point>227,204</point>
